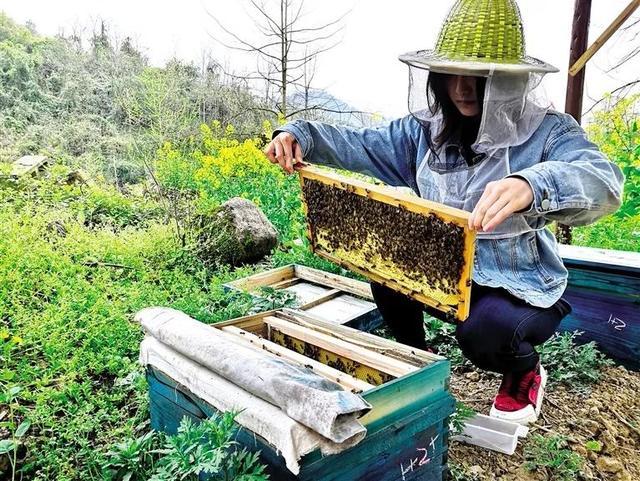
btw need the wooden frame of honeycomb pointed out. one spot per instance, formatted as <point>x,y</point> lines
<point>418,247</point>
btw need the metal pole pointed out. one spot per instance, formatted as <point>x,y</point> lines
<point>575,84</point>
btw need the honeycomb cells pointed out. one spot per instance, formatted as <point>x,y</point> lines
<point>426,249</point>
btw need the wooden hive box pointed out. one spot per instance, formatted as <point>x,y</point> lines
<point>417,247</point>
<point>320,294</point>
<point>29,165</point>
<point>604,293</point>
<point>407,427</point>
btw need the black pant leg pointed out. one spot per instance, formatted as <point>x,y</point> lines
<point>401,314</point>
<point>502,331</point>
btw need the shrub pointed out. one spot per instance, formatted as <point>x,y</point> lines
<point>206,447</point>
<point>575,366</point>
<point>550,453</point>
<point>616,130</point>
<point>213,167</point>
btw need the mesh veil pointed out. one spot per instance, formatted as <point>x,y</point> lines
<point>513,108</point>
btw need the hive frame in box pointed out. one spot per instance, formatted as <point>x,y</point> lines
<point>410,203</point>
<point>367,319</point>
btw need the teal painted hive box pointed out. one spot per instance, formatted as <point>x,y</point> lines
<point>407,427</point>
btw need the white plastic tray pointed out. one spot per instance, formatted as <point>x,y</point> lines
<point>491,433</point>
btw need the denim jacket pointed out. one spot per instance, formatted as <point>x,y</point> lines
<point>572,182</point>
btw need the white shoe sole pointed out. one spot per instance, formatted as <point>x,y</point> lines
<point>528,414</point>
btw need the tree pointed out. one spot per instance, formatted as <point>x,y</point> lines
<point>287,51</point>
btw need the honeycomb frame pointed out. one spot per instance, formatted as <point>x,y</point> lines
<point>451,294</point>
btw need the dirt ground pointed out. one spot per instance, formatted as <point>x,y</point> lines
<point>609,413</point>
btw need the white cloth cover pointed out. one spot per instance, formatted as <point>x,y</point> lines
<point>200,357</point>
<point>288,437</point>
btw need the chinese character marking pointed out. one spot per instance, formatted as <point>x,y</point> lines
<point>425,459</point>
<point>618,324</point>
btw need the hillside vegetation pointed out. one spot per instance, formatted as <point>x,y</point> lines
<point>161,147</point>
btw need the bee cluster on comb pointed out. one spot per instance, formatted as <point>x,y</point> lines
<point>420,248</point>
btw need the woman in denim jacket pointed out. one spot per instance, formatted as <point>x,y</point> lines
<point>477,139</point>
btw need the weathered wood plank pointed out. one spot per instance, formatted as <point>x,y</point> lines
<point>306,292</point>
<point>350,383</point>
<point>252,323</point>
<point>325,296</point>
<point>371,341</point>
<point>29,164</point>
<point>604,37</point>
<point>312,287</point>
<point>352,286</point>
<point>286,283</point>
<point>389,365</point>
<point>341,309</point>
<point>264,279</point>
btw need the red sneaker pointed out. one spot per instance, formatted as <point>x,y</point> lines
<point>519,400</point>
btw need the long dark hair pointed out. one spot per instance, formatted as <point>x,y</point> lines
<point>454,123</point>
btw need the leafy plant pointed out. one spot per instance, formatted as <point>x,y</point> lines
<point>9,447</point>
<point>550,453</point>
<point>616,130</point>
<point>459,418</point>
<point>576,366</point>
<point>133,458</point>
<point>270,298</point>
<point>611,232</point>
<point>459,472</point>
<point>593,445</point>
<point>441,337</point>
<point>206,447</point>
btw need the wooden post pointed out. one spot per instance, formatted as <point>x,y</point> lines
<point>575,84</point>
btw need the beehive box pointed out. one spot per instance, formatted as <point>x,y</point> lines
<point>322,295</point>
<point>420,248</point>
<point>407,427</point>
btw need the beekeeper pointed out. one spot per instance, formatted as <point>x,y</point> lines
<point>478,138</point>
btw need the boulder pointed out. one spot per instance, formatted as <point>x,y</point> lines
<point>238,233</point>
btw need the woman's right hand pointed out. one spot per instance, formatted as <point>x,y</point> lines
<point>285,150</point>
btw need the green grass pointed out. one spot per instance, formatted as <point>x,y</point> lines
<point>551,454</point>
<point>70,300</point>
<point>612,232</point>
<point>575,366</point>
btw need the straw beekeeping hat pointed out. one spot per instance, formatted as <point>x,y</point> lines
<point>477,38</point>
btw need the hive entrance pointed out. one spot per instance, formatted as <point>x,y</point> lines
<point>420,248</point>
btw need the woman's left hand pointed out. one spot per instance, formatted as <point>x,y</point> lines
<point>499,200</point>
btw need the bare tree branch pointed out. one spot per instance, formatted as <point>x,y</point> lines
<point>247,47</point>
<point>631,25</point>
<point>315,29</point>
<point>283,39</point>
<point>628,86</point>
<point>625,59</point>
<point>324,109</point>
<point>270,21</point>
